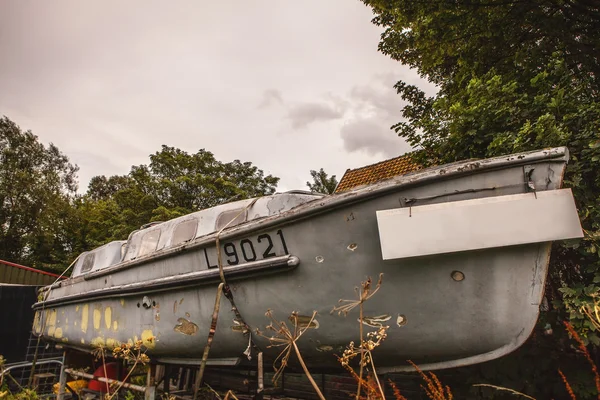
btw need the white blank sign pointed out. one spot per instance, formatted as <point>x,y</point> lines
<point>478,224</point>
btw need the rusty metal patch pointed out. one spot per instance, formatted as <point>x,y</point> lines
<point>324,348</point>
<point>376,322</point>
<point>186,327</point>
<point>303,321</point>
<point>239,326</point>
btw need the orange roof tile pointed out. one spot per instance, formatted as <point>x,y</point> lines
<point>377,172</point>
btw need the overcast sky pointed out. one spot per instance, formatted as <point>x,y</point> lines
<point>288,85</point>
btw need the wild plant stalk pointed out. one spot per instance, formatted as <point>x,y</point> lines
<point>362,350</point>
<point>2,362</point>
<point>586,353</point>
<point>396,391</point>
<point>374,339</point>
<point>592,312</point>
<point>364,293</point>
<point>505,389</point>
<point>283,336</point>
<point>227,395</point>
<point>123,351</point>
<point>99,352</point>
<point>567,386</point>
<point>230,394</point>
<point>434,388</point>
<point>380,335</point>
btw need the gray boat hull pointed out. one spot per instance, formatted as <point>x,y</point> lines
<point>310,257</point>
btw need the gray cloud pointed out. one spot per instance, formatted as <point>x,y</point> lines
<point>379,98</point>
<point>304,114</point>
<point>375,107</point>
<point>271,97</point>
<point>372,136</point>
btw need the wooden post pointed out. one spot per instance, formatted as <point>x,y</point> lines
<point>62,380</point>
<point>261,385</point>
<point>150,392</point>
<point>166,377</point>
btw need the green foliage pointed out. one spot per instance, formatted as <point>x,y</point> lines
<point>25,394</point>
<point>37,184</point>
<point>322,182</point>
<point>511,76</point>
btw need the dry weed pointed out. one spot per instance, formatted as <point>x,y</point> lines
<point>567,386</point>
<point>397,394</point>
<point>285,337</point>
<point>134,352</point>
<point>433,388</point>
<point>374,339</point>
<point>504,389</point>
<point>586,353</point>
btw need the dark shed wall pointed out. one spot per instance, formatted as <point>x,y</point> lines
<point>16,318</point>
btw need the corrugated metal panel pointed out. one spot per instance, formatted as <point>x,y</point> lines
<point>21,275</point>
<point>18,276</point>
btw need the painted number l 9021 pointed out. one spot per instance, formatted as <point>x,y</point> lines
<point>250,249</point>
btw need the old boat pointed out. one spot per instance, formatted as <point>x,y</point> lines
<point>464,250</point>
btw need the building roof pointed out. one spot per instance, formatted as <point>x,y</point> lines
<point>12,273</point>
<point>377,172</point>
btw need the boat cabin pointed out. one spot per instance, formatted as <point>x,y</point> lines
<point>158,236</point>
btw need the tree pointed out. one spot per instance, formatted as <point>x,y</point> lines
<point>322,183</point>
<point>37,184</point>
<point>512,76</point>
<point>173,184</point>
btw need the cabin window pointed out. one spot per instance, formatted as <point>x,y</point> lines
<point>184,231</point>
<point>88,262</point>
<point>149,242</point>
<point>226,216</point>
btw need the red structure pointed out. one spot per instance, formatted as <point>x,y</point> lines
<point>17,274</point>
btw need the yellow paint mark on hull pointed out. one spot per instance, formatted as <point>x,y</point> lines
<point>122,301</point>
<point>115,326</point>
<point>37,324</point>
<point>108,317</point>
<point>84,318</point>
<point>58,333</point>
<point>98,342</point>
<point>51,318</point>
<point>97,318</point>
<point>148,339</point>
